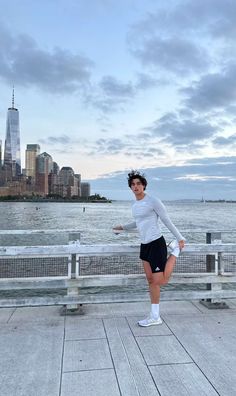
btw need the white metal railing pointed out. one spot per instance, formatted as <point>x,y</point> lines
<point>74,283</point>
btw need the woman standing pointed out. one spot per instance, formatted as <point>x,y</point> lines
<point>158,268</point>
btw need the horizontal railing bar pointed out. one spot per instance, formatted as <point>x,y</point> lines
<point>107,280</point>
<point>29,232</point>
<point>111,298</point>
<point>100,250</point>
<point>61,231</point>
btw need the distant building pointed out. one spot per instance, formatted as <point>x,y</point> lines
<point>44,166</point>
<point>78,177</point>
<point>55,168</point>
<point>66,176</point>
<point>31,153</point>
<point>85,190</point>
<point>12,155</point>
<point>67,179</point>
<point>0,153</point>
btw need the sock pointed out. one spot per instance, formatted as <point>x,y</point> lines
<point>155,311</point>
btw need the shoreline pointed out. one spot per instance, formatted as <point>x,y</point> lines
<point>57,200</point>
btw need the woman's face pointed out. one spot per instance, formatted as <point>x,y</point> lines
<point>137,187</point>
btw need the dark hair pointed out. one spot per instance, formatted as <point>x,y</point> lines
<point>134,174</point>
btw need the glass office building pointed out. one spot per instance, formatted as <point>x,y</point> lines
<point>0,153</point>
<point>31,153</point>
<point>12,157</point>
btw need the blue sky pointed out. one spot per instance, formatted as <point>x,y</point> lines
<point>106,86</point>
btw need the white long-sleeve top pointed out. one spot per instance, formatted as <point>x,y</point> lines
<point>147,212</point>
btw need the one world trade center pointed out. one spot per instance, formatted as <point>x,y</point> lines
<point>12,157</point>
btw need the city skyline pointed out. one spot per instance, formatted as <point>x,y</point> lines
<point>126,85</point>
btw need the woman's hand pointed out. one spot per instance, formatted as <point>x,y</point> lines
<point>118,227</point>
<point>181,244</point>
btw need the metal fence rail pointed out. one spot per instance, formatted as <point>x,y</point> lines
<point>74,274</point>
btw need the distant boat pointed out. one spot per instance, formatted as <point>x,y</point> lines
<point>203,200</point>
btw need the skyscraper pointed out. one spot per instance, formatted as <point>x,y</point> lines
<point>31,152</point>
<point>0,153</point>
<point>44,166</point>
<point>12,160</point>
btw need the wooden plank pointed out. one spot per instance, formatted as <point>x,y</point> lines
<point>132,373</point>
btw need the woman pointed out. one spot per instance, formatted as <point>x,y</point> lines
<point>146,211</point>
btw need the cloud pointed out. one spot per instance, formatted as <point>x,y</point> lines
<point>109,146</point>
<point>212,91</point>
<point>175,54</point>
<point>146,81</point>
<point>51,140</point>
<point>186,37</point>
<point>215,17</point>
<point>175,130</point>
<point>110,95</point>
<point>225,141</point>
<point>114,88</point>
<point>212,177</point>
<point>58,70</point>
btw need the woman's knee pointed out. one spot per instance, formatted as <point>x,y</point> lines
<point>150,279</point>
<point>158,279</point>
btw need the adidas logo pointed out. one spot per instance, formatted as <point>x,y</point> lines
<point>157,269</point>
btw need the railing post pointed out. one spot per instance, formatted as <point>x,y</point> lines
<point>212,264</point>
<point>73,271</point>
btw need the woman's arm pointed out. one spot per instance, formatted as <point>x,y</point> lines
<point>162,212</point>
<point>127,226</point>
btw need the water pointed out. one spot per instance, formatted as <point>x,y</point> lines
<point>95,220</point>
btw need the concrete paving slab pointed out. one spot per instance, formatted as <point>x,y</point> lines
<point>162,350</point>
<point>210,341</point>
<point>5,314</point>
<point>30,359</point>
<point>90,383</point>
<point>177,308</point>
<point>77,328</point>
<point>144,331</point>
<point>86,355</point>
<point>133,375</point>
<point>132,360</point>
<point>134,308</point>
<point>32,314</point>
<point>181,380</point>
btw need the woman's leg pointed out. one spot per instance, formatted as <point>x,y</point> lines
<point>170,264</point>
<point>154,282</point>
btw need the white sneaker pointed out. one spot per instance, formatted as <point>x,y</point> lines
<point>174,247</point>
<point>150,322</point>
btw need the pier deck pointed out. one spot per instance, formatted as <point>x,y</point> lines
<point>105,353</point>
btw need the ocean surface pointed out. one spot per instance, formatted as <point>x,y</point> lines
<point>95,220</point>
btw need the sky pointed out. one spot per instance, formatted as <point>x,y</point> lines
<point>106,86</point>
